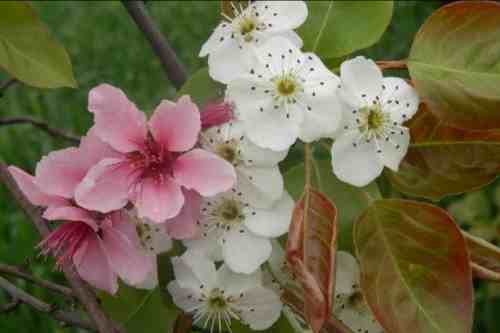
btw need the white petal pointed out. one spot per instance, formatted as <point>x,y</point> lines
<point>347,273</point>
<point>194,270</point>
<point>355,165</point>
<point>283,15</point>
<point>279,267</point>
<point>281,55</point>
<point>315,72</point>
<point>248,102</point>
<point>272,129</point>
<point>234,284</point>
<point>207,244</point>
<point>359,322</point>
<point>243,251</point>
<point>399,99</point>
<point>261,186</point>
<point>293,37</point>
<point>361,81</point>
<point>395,149</point>
<point>260,308</point>
<point>153,238</point>
<point>229,62</point>
<point>253,155</point>
<point>219,38</point>
<point>184,298</point>
<point>151,281</point>
<point>272,222</point>
<point>323,120</point>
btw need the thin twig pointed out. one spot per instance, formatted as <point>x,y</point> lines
<point>84,294</point>
<point>18,272</point>
<point>55,132</point>
<point>5,85</point>
<point>71,318</point>
<point>392,64</point>
<point>171,65</point>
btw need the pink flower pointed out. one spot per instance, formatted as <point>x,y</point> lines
<point>101,246</point>
<point>216,113</point>
<point>155,159</point>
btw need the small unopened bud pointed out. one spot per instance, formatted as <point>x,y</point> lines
<point>215,114</point>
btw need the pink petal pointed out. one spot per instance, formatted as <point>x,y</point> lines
<point>61,171</point>
<point>117,120</point>
<point>30,189</point>
<point>176,126</point>
<point>158,200</point>
<point>204,172</point>
<point>70,214</point>
<point>216,114</point>
<point>95,150</point>
<point>184,225</point>
<point>105,187</point>
<point>123,252</point>
<point>91,262</point>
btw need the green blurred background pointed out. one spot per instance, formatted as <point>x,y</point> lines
<point>105,46</point>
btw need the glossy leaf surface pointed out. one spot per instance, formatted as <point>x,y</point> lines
<point>415,271</point>
<point>455,64</point>
<point>28,52</point>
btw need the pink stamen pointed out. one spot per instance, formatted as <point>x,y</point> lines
<point>64,241</point>
<point>215,114</point>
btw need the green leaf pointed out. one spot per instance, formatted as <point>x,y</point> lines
<point>28,52</point>
<point>443,160</point>
<point>455,64</point>
<point>202,88</point>
<point>415,271</point>
<point>338,28</point>
<point>484,257</point>
<point>138,309</point>
<point>349,200</point>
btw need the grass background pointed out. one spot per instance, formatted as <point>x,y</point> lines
<point>105,46</point>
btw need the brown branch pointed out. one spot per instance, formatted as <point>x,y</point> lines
<point>71,318</point>
<point>5,85</point>
<point>392,64</point>
<point>84,294</point>
<point>54,132</point>
<point>18,272</point>
<point>171,65</point>
<point>8,307</point>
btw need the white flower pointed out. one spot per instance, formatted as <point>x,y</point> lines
<point>257,169</point>
<point>238,232</point>
<point>350,306</point>
<point>234,40</point>
<point>215,297</point>
<point>153,240</point>
<point>285,94</point>
<point>372,135</point>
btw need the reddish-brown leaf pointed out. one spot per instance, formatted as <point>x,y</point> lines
<point>415,271</point>
<point>484,257</point>
<point>311,254</point>
<point>443,160</point>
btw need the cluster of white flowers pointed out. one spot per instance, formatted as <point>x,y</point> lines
<point>279,94</point>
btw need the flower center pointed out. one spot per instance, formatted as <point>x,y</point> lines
<point>373,121</point>
<point>153,161</point>
<point>229,212</point>
<point>375,118</point>
<point>228,152</point>
<point>357,302</point>
<point>286,86</point>
<point>247,25</point>
<point>217,303</point>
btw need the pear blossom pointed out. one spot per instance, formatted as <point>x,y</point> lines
<point>155,161</point>
<point>153,240</point>
<point>102,247</point>
<point>216,297</point>
<point>238,232</point>
<point>257,170</point>
<point>284,95</point>
<point>372,135</point>
<point>234,40</point>
<point>350,306</point>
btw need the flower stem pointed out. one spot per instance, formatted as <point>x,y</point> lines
<point>392,64</point>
